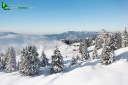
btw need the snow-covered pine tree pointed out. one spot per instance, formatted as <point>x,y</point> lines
<point>29,65</point>
<point>112,42</point>
<point>106,42</point>
<point>115,41</point>
<point>10,60</point>
<point>125,39</point>
<point>18,65</point>
<point>78,57</point>
<point>57,62</point>
<point>125,31</point>
<point>87,41</point>
<point>73,61</point>
<point>94,54</point>
<point>85,54</point>
<point>98,43</point>
<point>3,61</point>
<point>81,46</point>
<point>107,56</point>
<point>43,60</point>
<point>118,40</point>
<point>1,64</point>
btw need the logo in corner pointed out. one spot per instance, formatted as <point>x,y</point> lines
<point>4,6</point>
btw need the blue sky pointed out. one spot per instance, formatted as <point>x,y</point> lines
<point>55,16</point>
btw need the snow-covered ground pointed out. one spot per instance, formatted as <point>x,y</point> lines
<point>89,72</point>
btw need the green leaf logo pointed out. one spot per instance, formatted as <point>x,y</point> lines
<point>4,6</point>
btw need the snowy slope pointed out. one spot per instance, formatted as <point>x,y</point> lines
<point>90,72</point>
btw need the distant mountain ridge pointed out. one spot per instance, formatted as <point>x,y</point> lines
<point>18,40</point>
<point>64,35</point>
<point>9,38</point>
<point>78,34</point>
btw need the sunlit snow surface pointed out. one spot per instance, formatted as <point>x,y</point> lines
<point>89,72</point>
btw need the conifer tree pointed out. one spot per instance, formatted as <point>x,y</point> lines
<point>81,46</point>
<point>107,56</point>
<point>78,57</point>
<point>2,63</point>
<point>115,41</point>
<point>73,61</point>
<point>43,60</point>
<point>57,62</point>
<point>125,39</point>
<point>98,43</point>
<point>125,31</point>
<point>10,60</point>
<point>85,54</point>
<point>18,65</point>
<point>112,42</point>
<point>94,54</point>
<point>118,40</point>
<point>29,65</point>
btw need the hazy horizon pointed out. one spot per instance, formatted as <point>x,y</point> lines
<point>65,31</point>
